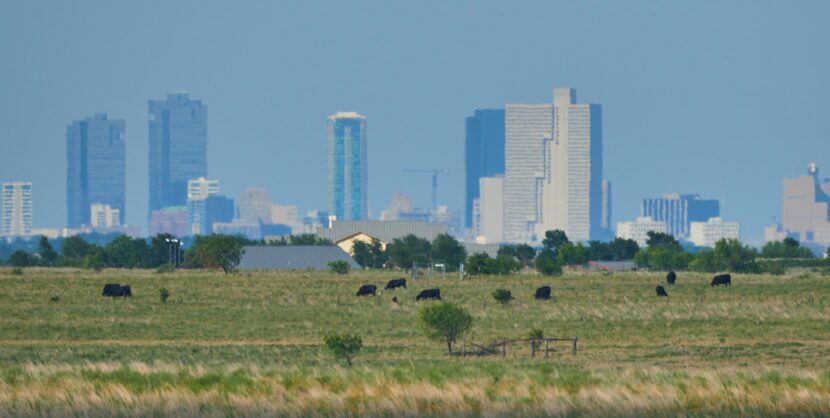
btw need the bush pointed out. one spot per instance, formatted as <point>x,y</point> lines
<point>445,321</point>
<point>55,298</point>
<point>536,334</point>
<point>163,295</point>
<point>344,346</point>
<point>166,268</point>
<point>94,261</point>
<point>21,258</point>
<point>502,296</point>
<point>339,267</point>
<point>17,271</point>
<point>546,265</point>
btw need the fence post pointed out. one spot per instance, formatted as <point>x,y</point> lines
<point>532,348</point>
<point>546,347</point>
<point>504,349</point>
<point>464,347</point>
<point>574,347</point>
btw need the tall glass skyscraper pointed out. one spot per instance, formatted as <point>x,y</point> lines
<point>178,148</point>
<point>483,152</point>
<point>347,169</point>
<point>95,162</point>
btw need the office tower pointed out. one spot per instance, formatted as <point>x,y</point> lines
<point>638,230</point>
<point>199,193</point>
<point>606,206</point>
<point>707,234</point>
<point>104,216</point>
<point>805,206</point>
<point>484,153</point>
<point>526,127</point>
<point>347,169</point>
<point>178,148</point>
<point>286,215</point>
<point>17,210</point>
<point>572,194</point>
<point>95,167</point>
<point>254,205</point>
<point>491,210</point>
<point>170,220</point>
<point>678,211</point>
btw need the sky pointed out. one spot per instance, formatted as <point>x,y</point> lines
<point>719,98</point>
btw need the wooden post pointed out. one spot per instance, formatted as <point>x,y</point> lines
<point>574,347</point>
<point>546,347</point>
<point>532,348</point>
<point>504,349</point>
<point>464,347</point>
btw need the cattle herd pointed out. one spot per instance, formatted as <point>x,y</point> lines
<point>542,293</point>
<point>671,278</point>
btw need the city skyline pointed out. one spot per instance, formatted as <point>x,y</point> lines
<point>665,120</point>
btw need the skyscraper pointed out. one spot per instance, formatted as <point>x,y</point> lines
<point>16,219</point>
<point>347,168</point>
<point>484,153</point>
<point>572,198</point>
<point>254,205</point>
<point>178,148</point>
<point>199,192</point>
<point>526,127</point>
<point>806,205</point>
<point>95,167</point>
<point>678,211</point>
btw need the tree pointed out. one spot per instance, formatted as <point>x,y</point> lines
<point>369,255</point>
<point>502,296</point>
<point>339,267</point>
<point>158,252</point>
<point>445,321</point>
<point>599,251</point>
<point>522,252</point>
<point>731,255</point>
<point>546,264</point>
<point>481,263</point>
<point>48,255</point>
<point>74,250</point>
<point>553,239</point>
<point>662,240</point>
<point>124,251</point>
<point>21,258</point>
<point>344,346</point>
<point>308,239</point>
<point>215,251</point>
<point>95,260</point>
<point>623,249</point>
<point>572,255</point>
<point>407,250</point>
<point>447,249</point>
<point>662,258</point>
<point>788,248</point>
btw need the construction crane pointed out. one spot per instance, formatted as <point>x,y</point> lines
<point>435,172</point>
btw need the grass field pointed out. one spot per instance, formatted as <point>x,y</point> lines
<point>250,344</point>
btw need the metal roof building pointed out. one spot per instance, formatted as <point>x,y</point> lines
<point>385,231</point>
<point>297,257</point>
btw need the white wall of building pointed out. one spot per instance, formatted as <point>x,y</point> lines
<point>638,230</point>
<point>491,209</point>
<point>16,214</point>
<point>706,234</point>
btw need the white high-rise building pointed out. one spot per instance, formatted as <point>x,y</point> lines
<point>254,205</point>
<point>202,188</point>
<point>286,215</point>
<point>572,192</point>
<point>706,234</point>
<point>104,216</point>
<point>639,229</point>
<point>526,128</point>
<point>491,210</point>
<point>16,217</point>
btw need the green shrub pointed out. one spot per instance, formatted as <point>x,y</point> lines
<point>166,268</point>
<point>163,295</point>
<point>344,346</point>
<point>17,271</point>
<point>536,334</point>
<point>445,321</point>
<point>502,296</point>
<point>55,298</point>
<point>339,267</point>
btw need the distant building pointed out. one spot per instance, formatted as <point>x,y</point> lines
<point>805,206</point>
<point>202,214</point>
<point>606,224</point>
<point>178,148</point>
<point>706,234</point>
<point>16,219</point>
<point>286,215</point>
<point>347,166</point>
<point>572,194</point>
<point>775,233</point>
<point>250,230</point>
<point>95,167</point>
<point>526,127</point>
<point>347,243</point>
<point>678,211</point>
<point>490,227</point>
<point>491,249</point>
<point>400,204</point>
<point>294,257</point>
<point>104,216</point>
<point>385,231</point>
<point>171,220</point>
<point>202,188</point>
<point>639,229</point>
<point>484,153</point>
<point>254,205</point>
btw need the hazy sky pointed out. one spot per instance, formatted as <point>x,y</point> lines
<point>723,98</point>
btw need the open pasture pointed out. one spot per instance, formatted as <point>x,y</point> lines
<point>251,344</point>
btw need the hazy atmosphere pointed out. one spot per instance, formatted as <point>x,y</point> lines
<point>724,99</point>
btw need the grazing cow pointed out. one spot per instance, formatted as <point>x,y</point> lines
<point>367,289</point>
<point>116,290</point>
<point>722,279</point>
<point>661,291</point>
<point>395,283</point>
<point>543,293</point>
<point>429,294</point>
<point>671,277</point>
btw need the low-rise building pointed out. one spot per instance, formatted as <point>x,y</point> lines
<point>171,220</point>
<point>638,229</point>
<point>706,234</point>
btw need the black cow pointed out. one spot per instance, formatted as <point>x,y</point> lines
<point>116,290</point>
<point>429,294</point>
<point>722,279</point>
<point>661,291</point>
<point>543,293</point>
<point>367,289</point>
<point>395,283</point>
<point>671,277</point>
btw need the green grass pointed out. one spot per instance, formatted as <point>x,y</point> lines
<point>251,344</point>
